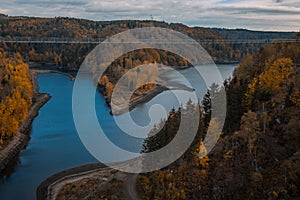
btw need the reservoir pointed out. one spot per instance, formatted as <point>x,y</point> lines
<point>55,144</point>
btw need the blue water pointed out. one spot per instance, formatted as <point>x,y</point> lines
<point>55,144</point>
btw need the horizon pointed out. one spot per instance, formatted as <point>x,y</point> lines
<point>115,20</point>
<point>269,15</point>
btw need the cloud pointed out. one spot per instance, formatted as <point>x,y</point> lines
<point>252,14</point>
<point>43,3</point>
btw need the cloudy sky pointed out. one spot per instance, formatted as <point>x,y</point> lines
<point>280,15</point>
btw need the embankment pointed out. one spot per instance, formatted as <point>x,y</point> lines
<point>49,188</point>
<point>21,138</point>
<point>145,97</point>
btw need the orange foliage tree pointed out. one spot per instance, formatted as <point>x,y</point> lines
<point>15,94</point>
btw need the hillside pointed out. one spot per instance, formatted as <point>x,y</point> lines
<point>258,155</point>
<point>70,56</point>
<point>241,34</point>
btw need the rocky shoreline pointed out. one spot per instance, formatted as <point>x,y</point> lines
<point>138,100</point>
<point>146,97</point>
<point>9,154</point>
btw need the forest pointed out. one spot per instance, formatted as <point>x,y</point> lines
<point>240,34</point>
<point>70,56</point>
<point>258,155</point>
<point>15,94</point>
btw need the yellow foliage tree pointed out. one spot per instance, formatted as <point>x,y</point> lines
<point>109,89</point>
<point>277,74</point>
<point>275,80</point>
<point>15,95</point>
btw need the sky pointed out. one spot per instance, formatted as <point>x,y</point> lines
<point>267,15</point>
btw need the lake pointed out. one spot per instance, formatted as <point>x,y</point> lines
<point>55,144</point>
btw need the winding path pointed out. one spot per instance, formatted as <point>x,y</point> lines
<point>129,188</point>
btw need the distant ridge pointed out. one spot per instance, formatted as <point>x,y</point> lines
<point>251,34</point>
<point>69,57</point>
<point>3,16</point>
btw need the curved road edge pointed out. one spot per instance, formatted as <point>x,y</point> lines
<point>49,189</point>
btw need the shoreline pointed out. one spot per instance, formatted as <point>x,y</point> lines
<point>45,71</point>
<point>49,187</point>
<point>21,138</point>
<point>41,67</point>
<point>139,100</point>
<point>148,96</point>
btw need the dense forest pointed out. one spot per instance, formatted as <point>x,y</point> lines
<point>15,94</point>
<point>70,56</point>
<point>244,34</point>
<point>258,155</point>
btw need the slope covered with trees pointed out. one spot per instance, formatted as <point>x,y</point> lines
<point>241,34</point>
<point>15,94</point>
<point>258,155</point>
<point>70,56</point>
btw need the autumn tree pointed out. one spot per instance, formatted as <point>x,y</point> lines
<point>250,130</point>
<point>274,81</point>
<point>16,94</point>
